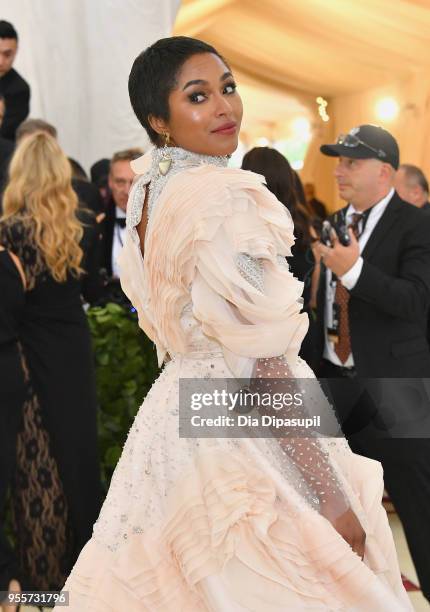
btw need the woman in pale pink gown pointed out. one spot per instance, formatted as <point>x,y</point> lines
<point>223,524</point>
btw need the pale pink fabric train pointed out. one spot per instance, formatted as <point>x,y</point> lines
<point>216,524</point>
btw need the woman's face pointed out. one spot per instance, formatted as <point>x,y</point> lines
<point>205,108</point>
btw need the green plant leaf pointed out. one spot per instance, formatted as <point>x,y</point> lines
<point>126,367</point>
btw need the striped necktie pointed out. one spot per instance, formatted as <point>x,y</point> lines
<point>342,347</point>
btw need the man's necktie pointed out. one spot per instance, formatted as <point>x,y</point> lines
<point>120,221</point>
<point>342,347</point>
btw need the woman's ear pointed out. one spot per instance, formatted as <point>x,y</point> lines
<point>158,124</point>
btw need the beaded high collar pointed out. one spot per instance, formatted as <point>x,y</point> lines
<point>148,168</point>
<point>181,159</point>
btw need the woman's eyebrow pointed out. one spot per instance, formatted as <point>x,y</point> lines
<point>194,82</point>
<point>225,76</point>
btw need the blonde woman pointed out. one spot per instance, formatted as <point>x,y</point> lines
<point>56,491</point>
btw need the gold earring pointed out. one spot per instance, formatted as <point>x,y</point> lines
<point>166,161</point>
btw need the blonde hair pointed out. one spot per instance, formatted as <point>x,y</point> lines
<point>40,193</point>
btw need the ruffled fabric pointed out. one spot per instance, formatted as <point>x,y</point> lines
<point>203,219</point>
<point>227,519</point>
<point>232,534</point>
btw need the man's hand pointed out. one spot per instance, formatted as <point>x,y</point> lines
<point>338,258</point>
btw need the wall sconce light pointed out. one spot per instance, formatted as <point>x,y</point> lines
<point>322,108</point>
<point>387,109</point>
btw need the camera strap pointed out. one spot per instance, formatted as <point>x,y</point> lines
<point>337,311</point>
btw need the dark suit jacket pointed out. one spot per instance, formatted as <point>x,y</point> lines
<point>91,247</point>
<point>17,96</point>
<point>112,286</point>
<point>108,231</point>
<point>88,195</point>
<point>6,150</point>
<point>388,307</point>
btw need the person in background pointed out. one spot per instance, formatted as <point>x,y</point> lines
<point>374,300</point>
<point>412,186</point>
<point>87,195</point>
<point>120,180</point>
<point>285,184</point>
<point>56,492</point>
<point>317,208</point>
<point>100,178</point>
<point>13,87</point>
<point>6,147</point>
<point>30,126</point>
<point>77,170</point>
<point>12,397</point>
<point>89,201</point>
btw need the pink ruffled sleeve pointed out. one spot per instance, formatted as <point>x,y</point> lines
<point>243,292</point>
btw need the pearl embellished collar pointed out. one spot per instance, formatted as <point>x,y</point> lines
<point>181,159</point>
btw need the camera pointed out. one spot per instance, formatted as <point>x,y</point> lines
<point>339,226</point>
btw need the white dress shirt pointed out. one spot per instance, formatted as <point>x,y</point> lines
<point>118,240</point>
<point>350,278</point>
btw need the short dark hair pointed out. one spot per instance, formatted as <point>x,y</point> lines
<point>30,126</point>
<point>99,171</point>
<point>416,176</point>
<point>77,171</point>
<point>7,30</point>
<point>153,77</point>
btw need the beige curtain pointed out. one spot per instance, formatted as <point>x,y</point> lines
<point>76,56</point>
<point>351,52</point>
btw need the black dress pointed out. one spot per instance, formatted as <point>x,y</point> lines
<point>12,396</point>
<point>57,492</point>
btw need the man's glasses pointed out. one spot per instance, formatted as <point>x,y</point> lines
<point>350,140</point>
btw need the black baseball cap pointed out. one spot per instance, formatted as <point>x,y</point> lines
<point>365,142</point>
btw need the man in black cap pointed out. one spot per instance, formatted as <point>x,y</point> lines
<point>374,299</point>
<point>12,86</point>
